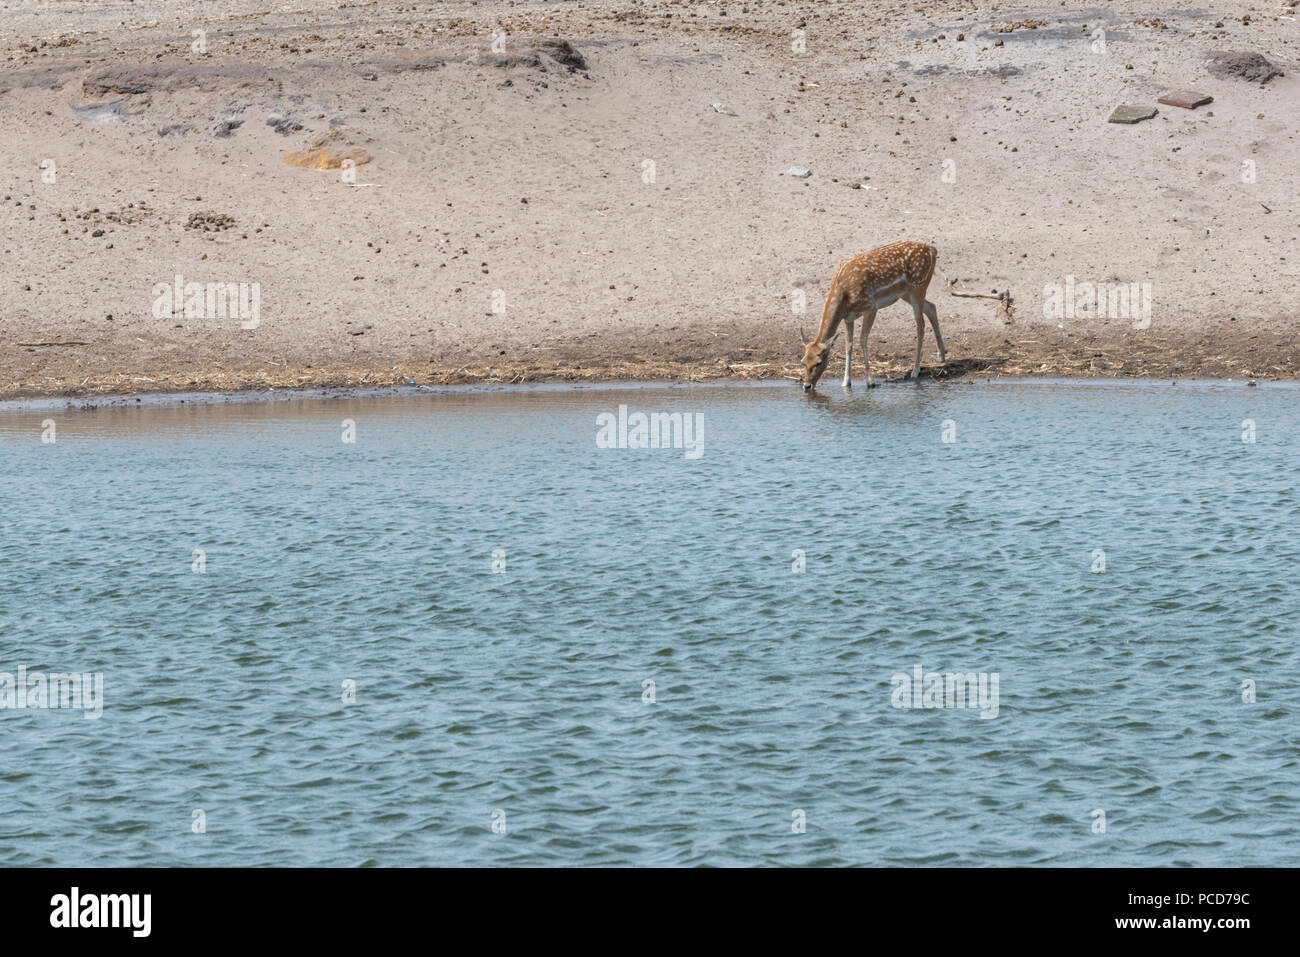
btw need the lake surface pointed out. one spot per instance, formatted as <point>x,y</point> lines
<point>504,711</point>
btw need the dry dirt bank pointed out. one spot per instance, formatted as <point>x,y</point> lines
<point>580,209</point>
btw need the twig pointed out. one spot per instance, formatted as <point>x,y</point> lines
<point>1006,307</point>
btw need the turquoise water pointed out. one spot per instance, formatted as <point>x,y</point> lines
<point>521,696</point>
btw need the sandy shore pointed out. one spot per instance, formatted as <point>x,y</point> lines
<point>600,191</point>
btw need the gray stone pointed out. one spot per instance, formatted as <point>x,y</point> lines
<point>1132,114</point>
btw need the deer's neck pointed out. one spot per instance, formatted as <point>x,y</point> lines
<point>831,313</point>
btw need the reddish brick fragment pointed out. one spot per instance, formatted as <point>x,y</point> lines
<point>1187,99</point>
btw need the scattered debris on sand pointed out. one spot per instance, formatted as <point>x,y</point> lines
<point>1030,24</point>
<point>210,222</point>
<point>128,215</point>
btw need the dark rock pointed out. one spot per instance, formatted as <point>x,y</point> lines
<point>1243,65</point>
<point>563,53</point>
<point>536,55</point>
<point>283,125</point>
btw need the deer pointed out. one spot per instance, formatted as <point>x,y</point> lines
<point>861,286</point>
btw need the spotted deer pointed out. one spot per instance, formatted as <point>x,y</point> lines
<point>861,286</point>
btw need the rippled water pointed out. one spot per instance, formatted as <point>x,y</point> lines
<point>524,691</point>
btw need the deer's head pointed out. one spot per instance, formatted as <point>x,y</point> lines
<point>816,357</point>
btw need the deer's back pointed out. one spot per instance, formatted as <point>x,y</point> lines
<point>911,262</point>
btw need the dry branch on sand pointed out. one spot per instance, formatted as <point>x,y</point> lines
<point>1006,305</point>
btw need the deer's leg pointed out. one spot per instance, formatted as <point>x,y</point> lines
<point>848,351</point>
<point>920,335</point>
<point>933,315</point>
<point>868,318</point>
